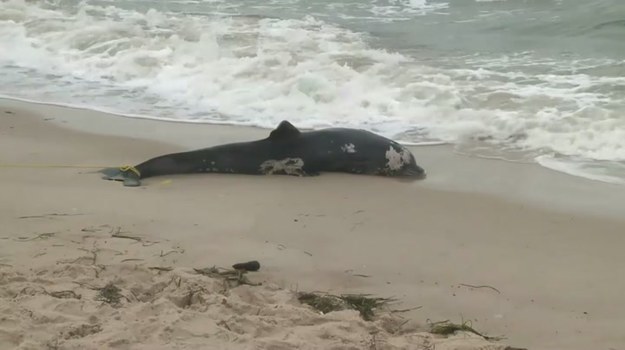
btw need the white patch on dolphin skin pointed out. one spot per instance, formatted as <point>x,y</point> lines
<point>396,160</point>
<point>349,148</point>
<point>288,166</point>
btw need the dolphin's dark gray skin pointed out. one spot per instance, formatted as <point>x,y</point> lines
<point>288,151</point>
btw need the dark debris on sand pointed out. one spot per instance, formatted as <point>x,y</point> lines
<point>325,303</point>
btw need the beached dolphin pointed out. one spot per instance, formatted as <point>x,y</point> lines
<point>287,151</point>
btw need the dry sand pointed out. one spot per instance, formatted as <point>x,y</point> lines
<point>549,247</point>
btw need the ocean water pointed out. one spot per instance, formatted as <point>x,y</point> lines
<point>521,80</point>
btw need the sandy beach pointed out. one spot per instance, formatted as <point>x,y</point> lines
<point>520,251</point>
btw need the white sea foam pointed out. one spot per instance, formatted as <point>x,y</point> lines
<point>614,172</point>
<point>393,8</point>
<point>252,70</point>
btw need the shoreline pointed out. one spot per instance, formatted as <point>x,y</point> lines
<point>544,161</point>
<point>554,263</point>
<point>528,183</point>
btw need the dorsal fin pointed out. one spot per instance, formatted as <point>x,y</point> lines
<point>284,130</point>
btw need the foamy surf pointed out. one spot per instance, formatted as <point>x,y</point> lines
<point>205,63</point>
<point>604,171</point>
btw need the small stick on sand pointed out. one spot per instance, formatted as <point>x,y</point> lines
<point>158,268</point>
<point>48,215</point>
<point>406,310</point>
<point>118,234</point>
<point>482,286</point>
<point>44,235</point>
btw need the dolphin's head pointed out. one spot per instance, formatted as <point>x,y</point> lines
<point>400,162</point>
<point>412,169</point>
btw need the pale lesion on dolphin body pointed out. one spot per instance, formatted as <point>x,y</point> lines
<point>288,166</point>
<point>396,160</point>
<point>348,148</point>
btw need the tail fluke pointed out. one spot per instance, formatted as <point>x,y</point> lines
<point>128,174</point>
